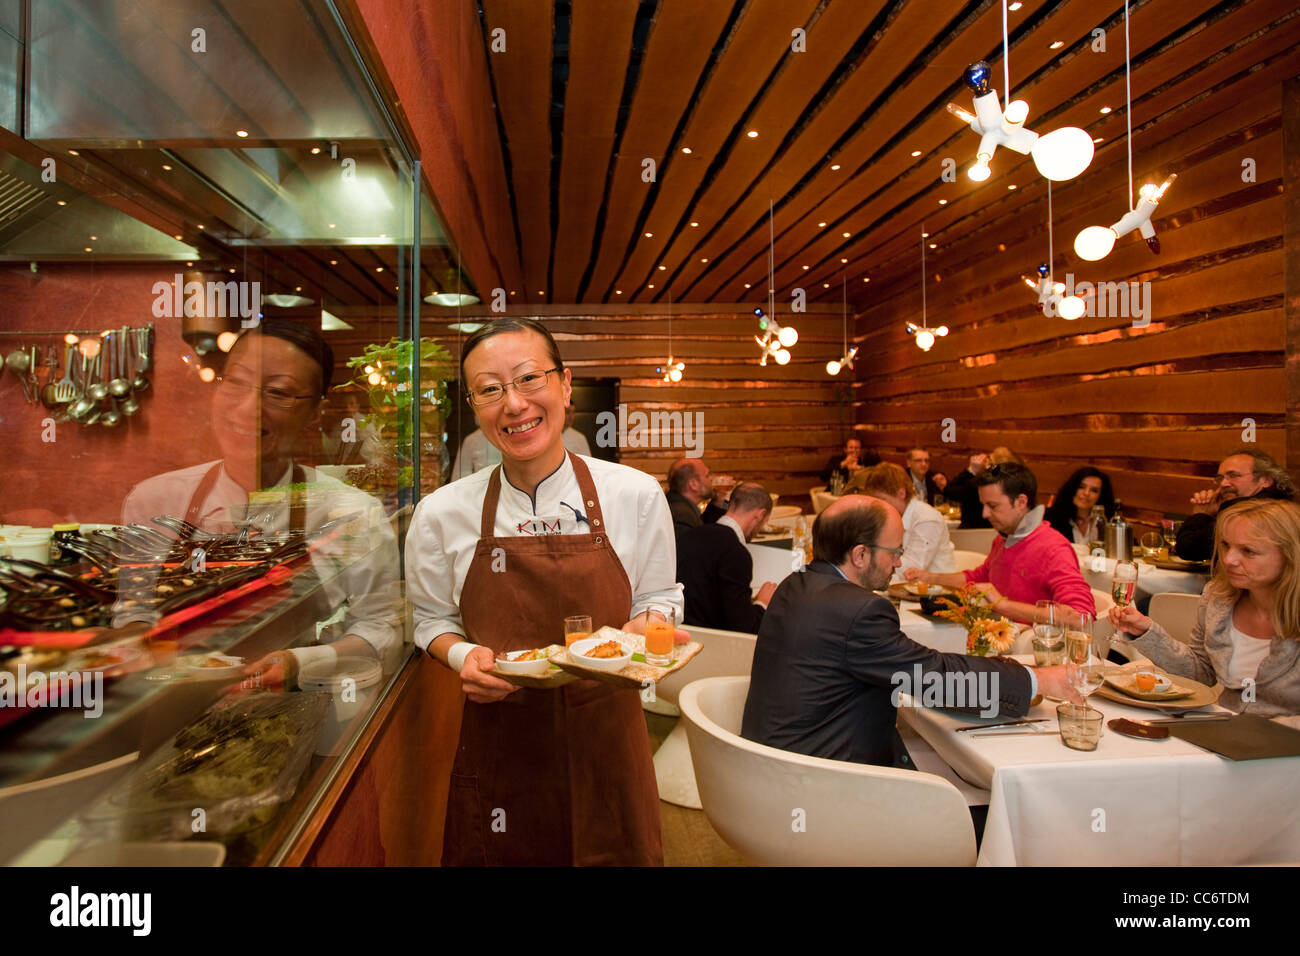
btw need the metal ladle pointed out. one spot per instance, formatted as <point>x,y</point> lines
<point>119,386</point>
<point>140,382</point>
<point>84,403</point>
<point>98,391</point>
<point>19,362</point>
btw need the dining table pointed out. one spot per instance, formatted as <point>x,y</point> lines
<point>1099,572</point>
<point>1130,802</point>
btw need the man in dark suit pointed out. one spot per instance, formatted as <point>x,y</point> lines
<point>831,660</point>
<point>918,470</point>
<point>689,484</point>
<point>715,567</point>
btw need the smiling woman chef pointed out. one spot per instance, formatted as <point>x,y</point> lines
<point>495,562</point>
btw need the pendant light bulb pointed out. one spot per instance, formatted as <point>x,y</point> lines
<point>1063,153</point>
<point>925,340</point>
<point>1016,113</point>
<point>1095,243</point>
<point>941,331</point>
<point>782,357</point>
<point>675,374</point>
<point>832,367</point>
<point>788,336</point>
<point>980,171</point>
<point>976,77</point>
<point>1071,307</point>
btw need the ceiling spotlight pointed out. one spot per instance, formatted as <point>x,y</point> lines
<point>1056,45</point>
<point>1015,6</point>
<point>1096,242</point>
<point>846,235</point>
<point>649,235</point>
<point>686,150</point>
<point>1105,110</point>
<point>1061,154</point>
<point>835,167</point>
<point>915,153</point>
<point>241,133</point>
<point>695,225</point>
<point>752,134</point>
<point>821,225</point>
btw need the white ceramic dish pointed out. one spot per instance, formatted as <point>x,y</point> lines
<point>532,668</point>
<point>231,666</point>
<point>578,651</point>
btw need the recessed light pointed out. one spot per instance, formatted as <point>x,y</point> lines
<point>1015,6</point>
<point>88,249</point>
<point>62,202</point>
<point>334,262</point>
<point>826,285</point>
<point>662,268</point>
<point>695,225</point>
<point>1057,45</point>
<point>1012,186</point>
<point>73,152</point>
<point>915,153</point>
<point>752,134</point>
<point>166,167</point>
<point>1097,139</point>
<point>379,268</point>
<point>821,225</point>
<point>189,265</point>
<point>94,238</point>
<point>232,272</point>
<point>200,225</point>
<point>686,150</point>
<point>1105,110</point>
<point>934,245</point>
<point>704,260</point>
<point>331,225</point>
<point>649,235</point>
<point>650,286</point>
<point>618,291</point>
<point>748,286</point>
<point>943,202</point>
<point>241,133</point>
<point>844,260</point>
<point>925,235</point>
<point>315,150</point>
<point>835,167</point>
<point>178,236</point>
<point>805,268</point>
<point>541,292</point>
<point>866,278</point>
<point>846,235</point>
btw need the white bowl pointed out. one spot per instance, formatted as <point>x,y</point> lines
<point>230,666</point>
<point>579,650</point>
<point>29,549</point>
<point>532,668</point>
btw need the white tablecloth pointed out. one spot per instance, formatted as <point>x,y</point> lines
<point>771,562</point>
<point>1151,579</point>
<point>1128,803</point>
<point>940,635</point>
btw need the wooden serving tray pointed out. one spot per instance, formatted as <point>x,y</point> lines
<point>635,675</point>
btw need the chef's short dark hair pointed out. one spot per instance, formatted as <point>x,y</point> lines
<point>835,536</point>
<point>497,326</point>
<point>750,496</point>
<point>305,339</point>
<point>1014,480</point>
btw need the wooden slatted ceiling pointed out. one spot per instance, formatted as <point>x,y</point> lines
<point>1157,406</point>
<point>600,47</point>
<point>680,44</point>
<point>522,79</point>
<point>1165,71</point>
<point>755,48</point>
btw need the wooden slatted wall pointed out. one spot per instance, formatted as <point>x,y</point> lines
<point>1158,406</point>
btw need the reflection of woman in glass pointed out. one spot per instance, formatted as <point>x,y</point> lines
<point>1070,509</point>
<point>495,562</point>
<point>1247,633</point>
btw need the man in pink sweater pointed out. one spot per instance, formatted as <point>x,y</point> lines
<point>1030,562</point>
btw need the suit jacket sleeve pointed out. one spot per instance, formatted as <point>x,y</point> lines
<point>735,571</point>
<point>1195,540</point>
<point>880,654</point>
<point>712,513</point>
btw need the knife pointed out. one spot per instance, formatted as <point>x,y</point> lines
<point>1005,723</point>
<point>1015,733</point>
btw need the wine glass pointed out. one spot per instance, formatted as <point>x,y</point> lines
<point>1170,528</point>
<point>1049,634</point>
<point>1123,586</point>
<point>1150,544</point>
<point>1086,648</point>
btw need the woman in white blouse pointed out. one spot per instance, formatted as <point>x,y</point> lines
<point>1247,634</point>
<point>495,562</point>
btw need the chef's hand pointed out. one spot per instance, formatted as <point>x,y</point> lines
<point>1129,620</point>
<point>275,670</point>
<point>476,681</point>
<point>637,626</point>
<point>1206,502</point>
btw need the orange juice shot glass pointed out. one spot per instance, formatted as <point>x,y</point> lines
<point>576,628</point>
<point>659,638</point>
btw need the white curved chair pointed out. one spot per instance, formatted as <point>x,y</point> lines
<point>725,654</point>
<point>782,808</point>
<point>968,560</point>
<point>821,500</point>
<point>1176,613</point>
<point>979,540</point>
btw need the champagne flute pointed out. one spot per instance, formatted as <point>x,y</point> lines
<point>1049,634</point>
<point>1123,586</point>
<point>1086,648</point>
<point>1170,528</point>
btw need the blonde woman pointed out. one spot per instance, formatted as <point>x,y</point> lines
<point>1247,633</point>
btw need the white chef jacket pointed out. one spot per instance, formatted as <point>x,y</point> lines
<point>445,531</point>
<point>926,543</point>
<point>366,582</point>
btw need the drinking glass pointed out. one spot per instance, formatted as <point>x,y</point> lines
<point>1086,648</point>
<point>659,638</point>
<point>1169,529</point>
<point>576,628</point>
<point>1151,543</point>
<point>1123,586</point>
<point>1049,635</point>
<point>1080,726</point>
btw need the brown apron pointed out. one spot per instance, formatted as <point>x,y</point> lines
<point>559,777</point>
<point>297,513</point>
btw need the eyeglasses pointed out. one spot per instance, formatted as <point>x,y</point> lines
<point>491,394</point>
<point>271,395</point>
<point>896,552</point>
<point>1233,476</point>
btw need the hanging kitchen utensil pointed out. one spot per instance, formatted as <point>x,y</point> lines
<point>65,390</point>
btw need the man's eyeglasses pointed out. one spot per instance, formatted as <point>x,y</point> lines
<point>1233,476</point>
<point>896,552</point>
<point>491,394</point>
<point>271,395</point>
